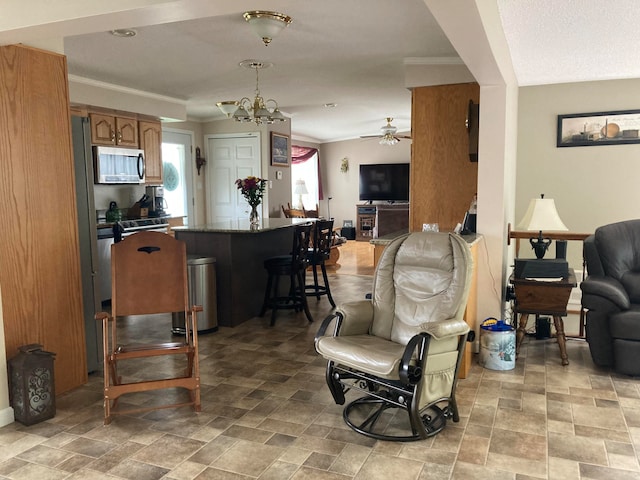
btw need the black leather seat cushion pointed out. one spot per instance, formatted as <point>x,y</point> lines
<point>626,324</point>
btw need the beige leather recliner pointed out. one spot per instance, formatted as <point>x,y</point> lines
<point>404,346</point>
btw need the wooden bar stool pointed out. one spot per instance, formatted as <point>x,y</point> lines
<point>293,266</point>
<point>319,253</point>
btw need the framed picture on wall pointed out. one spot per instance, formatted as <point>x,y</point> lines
<point>599,128</point>
<point>279,150</point>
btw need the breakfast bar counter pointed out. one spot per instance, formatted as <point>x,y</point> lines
<point>240,251</point>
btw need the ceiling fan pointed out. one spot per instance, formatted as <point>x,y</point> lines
<point>388,135</point>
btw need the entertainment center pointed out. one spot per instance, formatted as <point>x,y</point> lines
<point>382,182</point>
<point>373,221</point>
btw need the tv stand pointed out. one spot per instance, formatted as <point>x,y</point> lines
<point>373,221</point>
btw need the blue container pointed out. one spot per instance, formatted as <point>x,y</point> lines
<point>497,345</point>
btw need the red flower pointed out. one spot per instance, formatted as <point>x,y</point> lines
<point>252,189</point>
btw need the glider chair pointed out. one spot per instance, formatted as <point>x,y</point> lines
<point>403,347</point>
<point>611,295</point>
<point>149,277</point>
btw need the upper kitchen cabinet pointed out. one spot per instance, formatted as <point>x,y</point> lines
<point>113,130</point>
<point>151,143</point>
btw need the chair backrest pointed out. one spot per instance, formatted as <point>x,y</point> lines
<point>293,212</point>
<point>322,238</point>
<point>421,277</point>
<point>618,246</point>
<point>148,275</point>
<point>312,213</point>
<point>301,242</point>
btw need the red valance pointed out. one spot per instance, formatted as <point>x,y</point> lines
<point>302,154</point>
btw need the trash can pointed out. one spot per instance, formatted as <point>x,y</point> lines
<point>497,345</point>
<point>201,275</point>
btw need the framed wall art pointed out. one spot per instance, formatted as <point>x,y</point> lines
<point>279,149</point>
<point>599,128</point>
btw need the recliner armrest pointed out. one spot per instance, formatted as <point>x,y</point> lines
<point>606,287</point>
<point>446,328</point>
<point>357,317</point>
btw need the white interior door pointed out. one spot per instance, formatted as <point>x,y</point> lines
<point>179,193</point>
<point>230,156</point>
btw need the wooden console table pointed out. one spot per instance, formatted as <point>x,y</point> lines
<point>545,298</point>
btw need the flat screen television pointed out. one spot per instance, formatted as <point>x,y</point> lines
<point>384,182</point>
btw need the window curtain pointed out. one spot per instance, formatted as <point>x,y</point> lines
<point>301,155</point>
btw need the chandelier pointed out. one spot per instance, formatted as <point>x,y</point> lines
<point>259,110</point>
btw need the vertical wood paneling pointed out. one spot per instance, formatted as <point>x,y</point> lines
<point>39,262</point>
<point>443,180</point>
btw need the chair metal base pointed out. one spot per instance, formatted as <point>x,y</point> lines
<point>433,419</point>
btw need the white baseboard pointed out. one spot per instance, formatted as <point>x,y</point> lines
<point>6,416</point>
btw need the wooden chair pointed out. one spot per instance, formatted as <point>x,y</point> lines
<point>319,253</point>
<point>312,213</point>
<point>294,266</point>
<point>293,212</point>
<point>148,276</point>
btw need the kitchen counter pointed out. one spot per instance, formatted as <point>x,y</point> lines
<point>240,252</point>
<point>242,226</point>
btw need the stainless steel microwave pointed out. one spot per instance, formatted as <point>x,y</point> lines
<point>114,165</point>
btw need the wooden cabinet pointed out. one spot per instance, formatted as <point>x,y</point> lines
<point>113,130</point>
<point>151,143</point>
<point>373,221</point>
<point>40,275</point>
<point>365,222</point>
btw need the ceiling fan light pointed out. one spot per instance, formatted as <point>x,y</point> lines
<point>267,24</point>
<point>388,139</point>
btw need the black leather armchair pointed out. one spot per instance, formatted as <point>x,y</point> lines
<point>611,294</point>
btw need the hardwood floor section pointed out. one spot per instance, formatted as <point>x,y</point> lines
<point>356,258</point>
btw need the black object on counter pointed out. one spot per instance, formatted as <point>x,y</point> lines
<point>118,230</point>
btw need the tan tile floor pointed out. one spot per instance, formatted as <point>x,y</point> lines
<point>267,414</point>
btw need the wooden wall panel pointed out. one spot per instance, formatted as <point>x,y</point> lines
<point>443,179</point>
<point>40,266</point>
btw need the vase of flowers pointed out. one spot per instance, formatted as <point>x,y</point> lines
<point>252,189</point>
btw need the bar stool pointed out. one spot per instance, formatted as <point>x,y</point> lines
<point>293,266</point>
<point>318,254</point>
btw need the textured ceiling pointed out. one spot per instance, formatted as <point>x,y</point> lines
<point>562,41</point>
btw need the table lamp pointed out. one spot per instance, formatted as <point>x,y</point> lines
<point>541,216</point>
<point>300,190</point>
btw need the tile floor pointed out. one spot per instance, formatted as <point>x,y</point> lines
<point>267,414</point>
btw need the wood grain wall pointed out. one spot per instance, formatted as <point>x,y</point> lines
<point>443,179</point>
<point>39,259</point>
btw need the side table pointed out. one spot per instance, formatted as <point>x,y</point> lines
<point>543,297</point>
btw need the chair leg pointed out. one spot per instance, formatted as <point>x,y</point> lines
<point>316,287</point>
<point>267,295</point>
<point>326,284</point>
<point>303,296</point>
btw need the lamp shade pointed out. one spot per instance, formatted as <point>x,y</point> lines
<point>542,216</point>
<point>228,107</point>
<point>267,24</point>
<point>301,188</point>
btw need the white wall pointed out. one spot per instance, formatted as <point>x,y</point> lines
<point>343,187</point>
<point>592,186</point>
<point>6,412</point>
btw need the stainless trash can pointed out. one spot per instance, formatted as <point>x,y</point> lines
<point>201,275</point>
